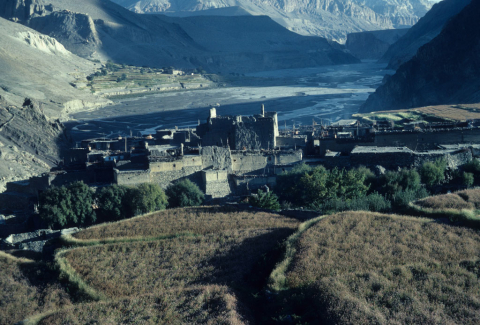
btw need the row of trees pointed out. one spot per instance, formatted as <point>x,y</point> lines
<point>360,189</point>
<point>77,205</point>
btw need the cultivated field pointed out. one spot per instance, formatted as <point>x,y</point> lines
<point>27,288</point>
<point>203,305</point>
<point>198,221</point>
<point>440,113</point>
<point>193,265</point>
<point>363,268</point>
<point>462,206</point>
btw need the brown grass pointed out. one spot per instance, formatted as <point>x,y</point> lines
<point>360,268</point>
<point>446,201</point>
<point>129,269</point>
<point>202,220</point>
<point>471,196</point>
<point>204,305</point>
<point>27,288</point>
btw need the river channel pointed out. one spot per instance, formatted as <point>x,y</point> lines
<point>300,96</point>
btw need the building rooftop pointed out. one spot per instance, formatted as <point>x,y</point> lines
<point>367,149</point>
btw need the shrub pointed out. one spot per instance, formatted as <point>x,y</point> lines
<point>467,179</point>
<point>265,200</point>
<point>148,198</point>
<point>288,184</point>
<point>184,193</point>
<point>82,204</point>
<point>372,202</point>
<point>405,179</point>
<point>402,198</point>
<point>433,173</point>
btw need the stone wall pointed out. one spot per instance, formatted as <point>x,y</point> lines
<point>216,184</point>
<point>291,142</point>
<point>216,158</point>
<point>164,179</point>
<point>131,177</point>
<point>244,185</point>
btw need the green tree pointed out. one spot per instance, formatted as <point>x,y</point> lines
<point>184,193</point>
<point>288,184</point>
<point>55,207</point>
<point>468,179</point>
<point>265,200</point>
<point>149,197</point>
<point>114,203</point>
<point>433,173</point>
<point>81,204</point>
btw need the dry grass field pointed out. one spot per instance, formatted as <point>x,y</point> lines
<point>364,268</point>
<point>202,305</point>
<point>27,288</point>
<point>462,206</point>
<point>199,221</point>
<point>208,260</point>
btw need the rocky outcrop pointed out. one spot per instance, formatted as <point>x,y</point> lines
<point>76,31</point>
<point>444,71</point>
<point>423,32</point>
<point>23,9</point>
<point>372,45</point>
<point>332,19</point>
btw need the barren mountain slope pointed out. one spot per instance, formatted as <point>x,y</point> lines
<point>444,71</point>
<point>35,66</point>
<point>332,19</point>
<point>103,30</point>
<point>423,32</point>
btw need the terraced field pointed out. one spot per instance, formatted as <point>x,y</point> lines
<point>364,268</point>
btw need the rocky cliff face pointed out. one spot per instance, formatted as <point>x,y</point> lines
<point>97,29</point>
<point>423,32</point>
<point>332,19</point>
<point>23,9</point>
<point>372,45</point>
<point>444,71</point>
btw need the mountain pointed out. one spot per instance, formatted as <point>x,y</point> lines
<point>36,66</point>
<point>372,45</point>
<point>427,28</point>
<point>444,71</point>
<point>103,30</point>
<point>332,19</point>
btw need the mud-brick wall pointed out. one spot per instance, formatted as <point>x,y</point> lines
<point>176,165</point>
<point>388,160</point>
<point>216,183</point>
<point>427,140</point>
<point>166,178</point>
<point>249,162</point>
<point>454,159</point>
<point>286,158</point>
<point>131,177</point>
<point>291,142</point>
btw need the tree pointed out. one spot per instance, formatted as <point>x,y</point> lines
<point>467,179</point>
<point>114,203</point>
<point>288,183</point>
<point>55,207</point>
<point>265,200</point>
<point>433,173</point>
<point>81,204</point>
<point>184,193</point>
<point>149,197</point>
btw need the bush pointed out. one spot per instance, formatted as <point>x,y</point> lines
<point>288,184</point>
<point>433,173</point>
<point>148,198</point>
<point>405,179</point>
<point>265,200</point>
<point>184,193</point>
<point>402,198</point>
<point>372,202</point>
<point>468,179</point>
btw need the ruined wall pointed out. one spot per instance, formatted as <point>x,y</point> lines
<point>244,185</point>
<point>255,133</point>
<point>248,162</point>
<point>216,158</point>
<point>287,158</point>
